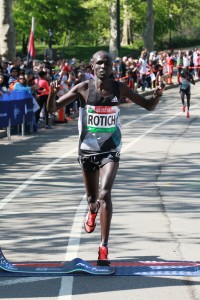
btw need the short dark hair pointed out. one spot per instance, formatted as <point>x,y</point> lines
<point>42,73</point>
<point>29,72</point>
<point>14,69</point>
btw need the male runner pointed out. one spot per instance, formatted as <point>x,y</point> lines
<point>100,138</point>
<point>186,78</point>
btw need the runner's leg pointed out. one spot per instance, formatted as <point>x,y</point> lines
<point>91,181</point>
<point>107,176</point>
<point>183,97</point>
<point>188,102</point>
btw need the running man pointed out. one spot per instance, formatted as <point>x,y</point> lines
<point>100,138</point>
<point>186,78</point>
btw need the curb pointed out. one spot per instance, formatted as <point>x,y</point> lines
<point>3,134</point>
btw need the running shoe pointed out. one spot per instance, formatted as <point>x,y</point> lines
<point>48,127</point>
<point>69,119</point>
<point>103,257</point>
<point>90,223</point>
<point>188,114</point>
<point>183,108</point>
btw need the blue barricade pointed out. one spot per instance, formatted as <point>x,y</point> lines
<point>4,111</point>
<point>14,106</point>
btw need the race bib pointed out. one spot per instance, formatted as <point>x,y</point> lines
<point>102,118</point>
<point>185,84</point>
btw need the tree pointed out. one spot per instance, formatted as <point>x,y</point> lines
<point>94,22</point>
<point>149,30</point>
<point>63,17</point>
<point>96,27</point>
<point>7,30</point>
<point>113,29</point>
<point>127,35</point>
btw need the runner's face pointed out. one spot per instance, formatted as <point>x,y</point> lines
<point>102,66</point>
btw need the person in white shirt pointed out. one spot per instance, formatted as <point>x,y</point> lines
<point>143,68</point>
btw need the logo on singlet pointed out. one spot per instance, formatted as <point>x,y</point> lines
<point>114,99</point>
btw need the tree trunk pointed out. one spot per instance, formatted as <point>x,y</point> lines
<point>7,31</point>
<point>149,31</point>
<point>113,30</point>
<point>127,31</point>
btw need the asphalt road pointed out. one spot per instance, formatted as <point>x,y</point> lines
<point>155,199</point>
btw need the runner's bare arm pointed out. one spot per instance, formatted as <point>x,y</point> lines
<point>149,104</point>
<point>192,79</point>
<point>77,91</point>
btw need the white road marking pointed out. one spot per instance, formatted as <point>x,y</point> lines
<point>148,114</point>
<point>130,145</point>
<point>35,176</point>
<point>24,280</point>
<point>66,285</point>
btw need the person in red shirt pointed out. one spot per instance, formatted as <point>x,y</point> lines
<point>170,67</point>
<point>43,92</point>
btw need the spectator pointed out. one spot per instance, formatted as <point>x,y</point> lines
<point>43,92</point>
<point>179,64</point>
<point>170,66</point>
<point>14,73</point>
<point>3,88</point>
<point>196,61</point>
<point>21,84</point>
<point>17,64</point>
<point>186,59</point>
<point>143,68</point>
<point>88,73</point>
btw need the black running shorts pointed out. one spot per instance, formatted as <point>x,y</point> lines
<point>94,162</point>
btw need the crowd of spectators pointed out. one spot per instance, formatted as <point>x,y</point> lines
<point>141,74</point>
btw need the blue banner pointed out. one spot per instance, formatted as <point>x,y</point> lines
<point>15,105</point>
<point>29,109</point>
<point>4,112</point>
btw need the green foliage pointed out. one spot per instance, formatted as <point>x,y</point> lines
<point>83,52</point>
<point>62,16</point>
<point>87,22</point>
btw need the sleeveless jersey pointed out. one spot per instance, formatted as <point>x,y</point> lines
<point>99,123</point>
<point>185,81</point>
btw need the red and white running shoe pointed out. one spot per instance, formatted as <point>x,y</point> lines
<point>90,223</point>
<point>103,257</point>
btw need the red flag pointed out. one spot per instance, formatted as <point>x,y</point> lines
<point>31,46</point>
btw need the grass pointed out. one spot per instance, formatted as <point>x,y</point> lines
<point>80,52</point>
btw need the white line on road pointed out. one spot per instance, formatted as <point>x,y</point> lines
<point>35,176</point>
<point>72,250</point>
<point>24,280</point>
<point>149,114</point>
<point>130,145</point>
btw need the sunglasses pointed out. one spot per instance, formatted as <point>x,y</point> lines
<point>22,78</point>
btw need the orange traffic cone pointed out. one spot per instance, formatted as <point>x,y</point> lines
<point>131,83</point>
<point>61,115</point>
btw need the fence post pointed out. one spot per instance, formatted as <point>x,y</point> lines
<point>23,126</point>
<point>9,129</point>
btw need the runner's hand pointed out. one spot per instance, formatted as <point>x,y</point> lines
<point>159,90</point>
<point>54,87</point>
